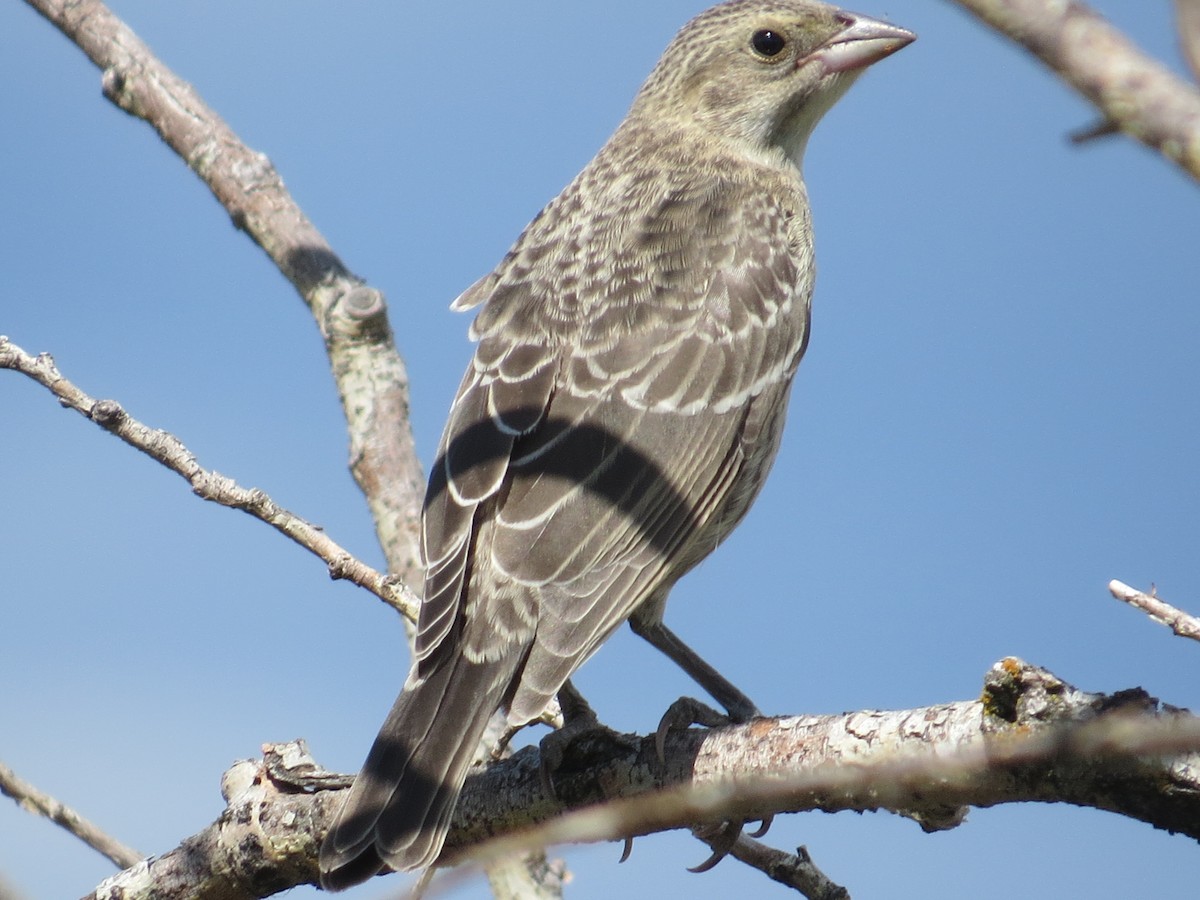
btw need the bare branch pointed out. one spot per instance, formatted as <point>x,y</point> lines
<point>1134,92</point>
<point>7,891</point>
<point>32,800</point>
<point>1031,737</point>
<point>1183,624</point>
<point>352,316</point>
<point>794,870</point>
<point>170,452</point>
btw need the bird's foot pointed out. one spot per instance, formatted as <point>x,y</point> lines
<point>501,732</point>
<point>581,740</point>
<point>688,711</point>
<point>683,713</point>
<point>722,837</point>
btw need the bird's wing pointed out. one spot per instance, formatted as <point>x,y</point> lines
<point>598,445</point>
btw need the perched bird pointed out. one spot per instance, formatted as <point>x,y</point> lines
<point>625,401</point>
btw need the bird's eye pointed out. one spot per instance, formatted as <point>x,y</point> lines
<point>768,43</point>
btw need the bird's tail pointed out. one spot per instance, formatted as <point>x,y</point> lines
<point>398,811</point>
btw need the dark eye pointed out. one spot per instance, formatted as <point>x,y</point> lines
<point>768,43</point>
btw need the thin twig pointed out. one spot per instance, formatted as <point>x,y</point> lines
<point>1132,90</point>
<point>32,800</point>
<point>1180,622</point>
<point>171,452</point>
<point>795,870</point>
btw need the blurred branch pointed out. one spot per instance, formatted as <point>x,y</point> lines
<point>371,377</point>
<point>1187,16</point>
<point>7,891</point>
<point>171,452</point>
<point>1177,620</point>
<point>32,800</point>
<point>1135,93</point>
<point>1030,737</point>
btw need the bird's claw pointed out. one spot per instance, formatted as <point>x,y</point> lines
<point>684,712</point>
<point>626,850</point>
<point>687,711</point>
<point>764,826</point>
<point>720,838</point>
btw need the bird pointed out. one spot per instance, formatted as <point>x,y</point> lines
<point>635,349</point>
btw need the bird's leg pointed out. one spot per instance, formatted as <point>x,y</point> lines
<point>688,711</point>
<point>578,719</point>
<point>576,711</point>
<point>737,705</point>
<point>501,732</point>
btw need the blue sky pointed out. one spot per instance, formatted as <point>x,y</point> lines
<point>997,414</point>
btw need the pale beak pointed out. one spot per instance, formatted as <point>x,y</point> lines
<point>863,42</point>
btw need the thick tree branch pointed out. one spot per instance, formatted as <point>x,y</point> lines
<point>1135,93</point>
<point>1025,739</point>
<point>352,316</point>
<point>1030,737</point>
<point>171,452</point>
<point>30,798</point>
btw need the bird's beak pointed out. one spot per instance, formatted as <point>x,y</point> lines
<point>861,43</point>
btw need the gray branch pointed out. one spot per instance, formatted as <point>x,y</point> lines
<point>30,798</point>
<point>1180,622</point>
<point>168,450</point>
<point>1135,93</point>
<point>352,316</point>
<point>1030,737</point>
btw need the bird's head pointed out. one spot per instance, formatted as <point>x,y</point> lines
<point>763,72</point>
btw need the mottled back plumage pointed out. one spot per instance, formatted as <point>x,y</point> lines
<point>625,401</point>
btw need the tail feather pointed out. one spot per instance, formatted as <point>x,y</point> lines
<point>399,809</point>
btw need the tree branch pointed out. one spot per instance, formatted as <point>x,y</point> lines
<point>31,799</point>
<point>1030,737</point>
<point>795,870</point>
<point>352,316</point>
<point>1135,93</point>
<point>1187,16</point>
<point>170,452</point>
<point>1177,620</point>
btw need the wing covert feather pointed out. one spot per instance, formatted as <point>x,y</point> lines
<point>597,447</point>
